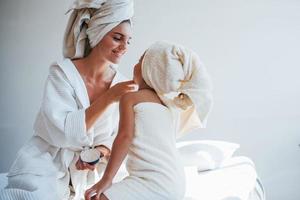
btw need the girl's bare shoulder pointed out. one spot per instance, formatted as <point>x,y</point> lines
<point>140,96</point>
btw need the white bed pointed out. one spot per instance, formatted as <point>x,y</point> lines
<point>237,180</point>
<point>234,179</point>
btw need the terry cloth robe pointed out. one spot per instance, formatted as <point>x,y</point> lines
<point>45,164</point>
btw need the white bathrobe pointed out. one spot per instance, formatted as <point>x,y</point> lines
<point>46,162</point>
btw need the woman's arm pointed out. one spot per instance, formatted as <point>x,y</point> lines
<point>101,103</point>
<point>120,146</point>
<point>60,122</point>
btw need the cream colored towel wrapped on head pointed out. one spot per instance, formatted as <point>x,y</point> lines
<point>92,19</point>
<point>169,68</point>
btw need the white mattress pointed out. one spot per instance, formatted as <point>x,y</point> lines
<point>234,181</point>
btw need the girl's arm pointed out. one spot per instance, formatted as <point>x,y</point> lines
<point>120,146</point>
<point>123,139</point>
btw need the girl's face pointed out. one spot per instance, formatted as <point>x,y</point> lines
<point>137,72</point>
<point>115,43</point>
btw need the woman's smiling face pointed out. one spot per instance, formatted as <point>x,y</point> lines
<point>115,43</point>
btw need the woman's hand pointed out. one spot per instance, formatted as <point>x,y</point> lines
<point>96,190</point>
<point>80,165</point>
<point>114,93</point>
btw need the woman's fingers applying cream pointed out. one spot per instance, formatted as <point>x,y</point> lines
<point>118,90</point>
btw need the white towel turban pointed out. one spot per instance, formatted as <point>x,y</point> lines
<point>92,19</point>
<point>170,68</point>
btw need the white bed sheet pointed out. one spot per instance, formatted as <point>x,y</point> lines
<point>234,181</point>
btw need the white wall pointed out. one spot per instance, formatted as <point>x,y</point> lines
<point>251,49</point>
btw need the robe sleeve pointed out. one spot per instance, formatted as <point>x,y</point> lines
<point>108,139</point>
<point>63,121</point>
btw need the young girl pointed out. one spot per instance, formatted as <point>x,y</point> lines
<point>149,125</point>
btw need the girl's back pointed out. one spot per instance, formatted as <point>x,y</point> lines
<point>153,155</point>
<point>153,163</point>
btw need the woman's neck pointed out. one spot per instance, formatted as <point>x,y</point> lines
<point>94,68</point>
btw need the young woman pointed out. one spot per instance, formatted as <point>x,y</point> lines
<point>80,105</point>
<point>149,123</point>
